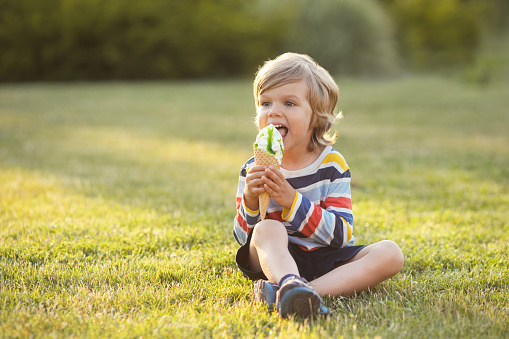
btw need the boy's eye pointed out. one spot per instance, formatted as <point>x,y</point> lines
<point>289,103</point>
<point>265,104</point>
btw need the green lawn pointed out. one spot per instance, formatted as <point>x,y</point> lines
<point>117,201</point>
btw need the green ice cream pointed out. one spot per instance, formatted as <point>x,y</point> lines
<point>270,140</point>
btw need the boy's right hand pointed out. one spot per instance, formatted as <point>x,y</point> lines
<point>254,186</point>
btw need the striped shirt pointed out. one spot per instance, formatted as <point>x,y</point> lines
<point>321,213</point>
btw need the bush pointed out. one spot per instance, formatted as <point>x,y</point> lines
<point>345,36</point>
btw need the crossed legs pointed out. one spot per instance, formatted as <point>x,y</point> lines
<point>373,264</point>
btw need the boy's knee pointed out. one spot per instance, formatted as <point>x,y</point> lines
<point>393,255</point>
<point>267,230</point>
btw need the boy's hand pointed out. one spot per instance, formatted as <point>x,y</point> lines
<point>278,188</point>
<point>254,186</point>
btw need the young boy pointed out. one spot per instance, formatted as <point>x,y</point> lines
<point>305,247</point>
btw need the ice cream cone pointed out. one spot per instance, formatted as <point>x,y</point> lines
<point>264,158</point>
<point>268,151</point>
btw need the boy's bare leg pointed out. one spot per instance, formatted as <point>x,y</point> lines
<point>268,251</point>
<point>372,265</point>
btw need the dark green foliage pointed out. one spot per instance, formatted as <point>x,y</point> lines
<point>93,39</point>
<point>171,39</point>
<point>118,39</point>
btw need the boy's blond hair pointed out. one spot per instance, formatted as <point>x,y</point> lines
<point>323,91</point>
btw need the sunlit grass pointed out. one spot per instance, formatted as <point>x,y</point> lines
<point>117,201</point>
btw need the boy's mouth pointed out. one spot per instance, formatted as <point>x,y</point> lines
<point>283,130</point>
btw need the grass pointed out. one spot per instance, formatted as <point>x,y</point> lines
<point>117,201</point>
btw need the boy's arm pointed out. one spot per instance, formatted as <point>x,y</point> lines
<point>328,222</point>
<point>246,218</point>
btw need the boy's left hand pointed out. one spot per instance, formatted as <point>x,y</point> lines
<point>278,188</point>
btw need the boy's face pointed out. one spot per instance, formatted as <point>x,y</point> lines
<point>287,107</point>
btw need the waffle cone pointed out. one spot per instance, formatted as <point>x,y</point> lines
<point>264,158</point>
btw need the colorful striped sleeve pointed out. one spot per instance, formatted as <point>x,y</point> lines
<point>245,219</point>
<point>322,207</point>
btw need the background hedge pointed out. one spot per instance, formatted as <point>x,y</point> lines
<point>171,39</point>
<point>121,39</point>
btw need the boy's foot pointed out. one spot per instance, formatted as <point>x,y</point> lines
<point>296,297</point>
<point>265,291</point>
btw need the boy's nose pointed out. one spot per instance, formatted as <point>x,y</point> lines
<point>274,111</point>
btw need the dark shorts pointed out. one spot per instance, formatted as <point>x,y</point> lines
<point>312,264</point>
